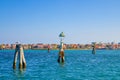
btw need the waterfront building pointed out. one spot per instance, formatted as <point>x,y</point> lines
<point>40,46</point>
<point>88,46</point>
<point>7,46</point>
<point>25,46</point>
<point>118,45</point>
<point>54,46</point>
<point>13,46</point>
<point>3,46</point>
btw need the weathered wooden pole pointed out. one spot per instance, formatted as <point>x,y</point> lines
<point>48,48</point>
<point>15,56</point>
<point>94,48</point>
<point>19,51</point>
<point>61,57</point>
<point>61,53</point>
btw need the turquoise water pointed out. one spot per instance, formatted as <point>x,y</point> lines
<point>79,65</point>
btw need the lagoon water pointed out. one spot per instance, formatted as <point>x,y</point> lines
<point>79,65</point>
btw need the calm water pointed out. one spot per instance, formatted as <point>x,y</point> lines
<point>79,65</point>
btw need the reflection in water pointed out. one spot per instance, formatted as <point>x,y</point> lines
<point>19,73</point>
<point>61,64</point>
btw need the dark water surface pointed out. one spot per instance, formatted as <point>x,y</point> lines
<point>79,65</point>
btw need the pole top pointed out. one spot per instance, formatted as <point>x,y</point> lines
<point>61,34</point>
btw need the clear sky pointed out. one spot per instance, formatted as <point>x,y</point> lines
<point>41,21</point>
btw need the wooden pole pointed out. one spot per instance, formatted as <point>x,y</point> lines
<point>15,59</point>
<point>48,48</point>
<point>23,58</point>
<point>20,53</point>
<point>93,51</point>
<point>15,56</point>
<point>61,53</point>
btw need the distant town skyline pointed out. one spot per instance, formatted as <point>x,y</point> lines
<point>41,21</point>
<point>98,46</point>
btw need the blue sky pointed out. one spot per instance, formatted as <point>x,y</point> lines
<point>41,21</point>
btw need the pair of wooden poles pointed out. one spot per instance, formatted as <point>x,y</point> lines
<point>19,52</point>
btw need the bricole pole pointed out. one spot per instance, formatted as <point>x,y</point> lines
<point>19,51</point>
<point>94,48</point>
<point>61,50</point>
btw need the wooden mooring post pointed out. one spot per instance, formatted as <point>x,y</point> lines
<point>61,49</point>
<point>48,48</point>
<point>61,54</point>
<point>19,52</point>
<point>94,48</point>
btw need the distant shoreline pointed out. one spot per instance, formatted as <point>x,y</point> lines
<point>65,49</point>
